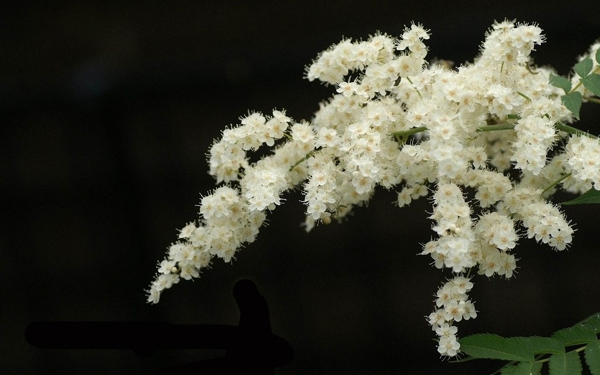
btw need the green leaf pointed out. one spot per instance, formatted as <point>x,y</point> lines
<point>561,82</point>
<point>542,345</point>
<point>592,83</point>
<point>522,368</point>
<point>592,323</point>
<point>509,369</point>
<point>598,55</point>
<point>573,102</point>
<point>495,347</point>
<point>576,335</point>
<point>584,67</point>
<point>565,364</point>
<point>592,357</point>
<point>590,196</point>
<point>528,368</point>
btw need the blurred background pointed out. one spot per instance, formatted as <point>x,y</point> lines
<point>107,110</point>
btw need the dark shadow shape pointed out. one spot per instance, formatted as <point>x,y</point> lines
<point>251,346</point>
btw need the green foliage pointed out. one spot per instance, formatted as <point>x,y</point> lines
<point>495,347</point>
<point>573,102</point>
<point>576,335</point>
<point>592,323</point>
<point>527,355</point>
<point>565,364</point>
<point>522,368</point>
<point>561,83</point>
<point>592,83</point>
<point>584,67</point>
<point>541,345</point>
<point>591,196</point>
<point>592,357</point>
<point>590,80</point>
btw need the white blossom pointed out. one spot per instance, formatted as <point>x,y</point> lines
<point>470,128</point>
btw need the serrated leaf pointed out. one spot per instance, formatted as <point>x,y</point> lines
<point>590,196</point>
<point>561,82</point>
<point>565,364</point>
<point>573,102</point>
<point>591,322</point>
<point>542,345</point>
<point>584,67</point>
<point>592,83</point>
<point>509,369</point>
<point>528,368</point>
<point>522,368</point>
<point>495,347</point>
<point>592,357</point>
<point>576,335</point>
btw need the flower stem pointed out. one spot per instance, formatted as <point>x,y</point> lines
<point>593,100</point>
<point>411,82</point>
<point>523,95</point>
<point>556,183</point>
<point>306,157</point>
<point>572,130</point>
<point>403,135</point>
<point>490,128</point>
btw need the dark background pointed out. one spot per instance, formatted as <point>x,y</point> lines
<point>107,110</point>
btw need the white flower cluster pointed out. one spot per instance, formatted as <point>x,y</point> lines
<point>227,223</point>
<point>584,159</point>
<point>453,306</point>
<point>470,127</point>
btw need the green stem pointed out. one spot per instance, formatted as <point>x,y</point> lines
<point>556,183</point>
<point>305,158</point>
<point>523,95</point>
<point>411,82</point>
<point>593,100</point>
<point>406,133</point>
<point>572,130</point>
<point>491,128</point>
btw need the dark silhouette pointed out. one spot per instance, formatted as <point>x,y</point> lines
<point>251,346</point>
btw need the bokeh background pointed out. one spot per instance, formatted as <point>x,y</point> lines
<point>107,109</point>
